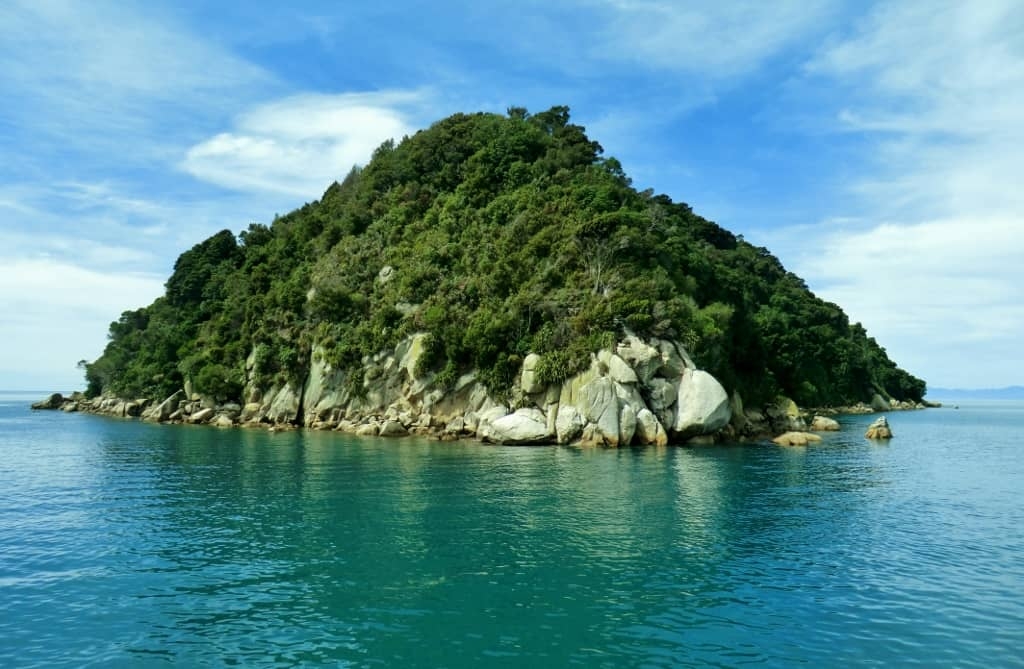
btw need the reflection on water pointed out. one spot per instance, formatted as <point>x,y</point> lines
<point>131,543</point>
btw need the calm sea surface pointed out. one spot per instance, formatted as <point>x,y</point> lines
<point>129,544</point>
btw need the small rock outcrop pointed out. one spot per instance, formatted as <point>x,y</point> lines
<point>879,429</point>
<point>54,401</point>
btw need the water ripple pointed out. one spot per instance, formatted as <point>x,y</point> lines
<point>141,545</point>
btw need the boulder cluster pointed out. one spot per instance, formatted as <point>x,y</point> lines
<point>640,392</point>
<point>644,392</point>
<point>879,404</point>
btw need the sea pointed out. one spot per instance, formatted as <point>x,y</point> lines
<point>128,544</point>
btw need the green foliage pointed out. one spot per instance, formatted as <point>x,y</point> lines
<point>560,364</point>
<point>218,381</point>
<point>497,236</point>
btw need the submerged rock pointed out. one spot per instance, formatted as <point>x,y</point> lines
<point>824,424</point>
<point>796,439</point>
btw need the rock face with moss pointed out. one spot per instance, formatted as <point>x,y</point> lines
<point>492,264</point>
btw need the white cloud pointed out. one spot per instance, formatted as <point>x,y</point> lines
<point>936,90</point>
<point>57,313</point>
<point>301,144</point>
<point>928,278</point>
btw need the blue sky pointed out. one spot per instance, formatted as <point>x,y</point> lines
<point>877,149</point>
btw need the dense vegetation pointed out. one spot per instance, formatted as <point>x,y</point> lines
<point>498,235</point>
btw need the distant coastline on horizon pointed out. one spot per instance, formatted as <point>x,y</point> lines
<point>1007,393</point>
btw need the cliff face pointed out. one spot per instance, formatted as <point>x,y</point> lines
<point>490,262</point>
<point>640,392</point>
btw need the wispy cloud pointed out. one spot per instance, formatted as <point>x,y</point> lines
<point>106,225</point>
<point>712,39</point>
<point>936,90</point>
<point>300,144</point>
<point>68,68</point>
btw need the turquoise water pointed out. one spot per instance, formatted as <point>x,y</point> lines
<point>129,544</point>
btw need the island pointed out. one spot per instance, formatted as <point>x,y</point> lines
<point>492,276</point>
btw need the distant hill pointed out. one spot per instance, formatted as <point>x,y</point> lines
<point>1008,393</point>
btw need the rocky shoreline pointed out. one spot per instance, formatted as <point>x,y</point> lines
<point>642,392</point>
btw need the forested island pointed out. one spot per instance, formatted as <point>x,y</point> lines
<point>490,268</point>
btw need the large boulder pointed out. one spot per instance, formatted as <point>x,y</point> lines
<point>162,412</point>
<point>222,420</point>
<point>135,408</point>
<point>739,420</point>
<point>455,426</point>
<point>250,412</point>
<point>324,390</point>
<point>662,395</point>
<point>285,406</point>
<point>879,403</point>
<point>648,430</point>
<point>674,359</point>
<point>784,416</point>
<point>568,424</point>
<point>627,424</point>
<point>367,430</point>
<point>201,416</point>
<point>525,426</point>
<point>702,406</point>
<point>599,404</point>
<point>393,428</point>
<point>618,370</point>
<point>528,380</point>
<point>643,359</point>
<point>485,418</point>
